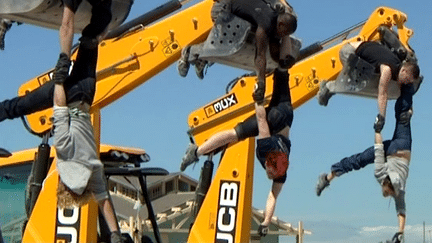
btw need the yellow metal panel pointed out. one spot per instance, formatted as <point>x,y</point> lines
<point>104,148</point>
<point>43,223</point>
<point>229,194</point>
<point>88,225</point>
<point>20,157</point>
<point>41,226</point>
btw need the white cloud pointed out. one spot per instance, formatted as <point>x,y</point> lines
<point>417,228</point>
<point>378,229</point>
<point>334,232</point>
<point>413,233</point>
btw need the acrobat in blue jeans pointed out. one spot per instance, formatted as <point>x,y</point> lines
<point>401,138</point>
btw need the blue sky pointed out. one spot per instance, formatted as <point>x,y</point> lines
<point>154,117</point>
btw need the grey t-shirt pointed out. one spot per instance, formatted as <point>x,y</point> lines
<point>78,163</point>
<point>397,169</point>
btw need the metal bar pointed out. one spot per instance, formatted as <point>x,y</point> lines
<point>147,200</point>
<point>147,18</point>
<point>39,171</point>
<point>320,45</point>
<point>341,34</point>
<point>111,68</point>
<point>204,182</point>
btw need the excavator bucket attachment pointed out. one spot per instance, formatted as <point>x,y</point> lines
<point>232,42</point>
<point>360,78</point>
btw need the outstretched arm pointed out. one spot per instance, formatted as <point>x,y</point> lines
<point>262,43</point>
<point>59,95</point>
<point>378,138</point>
<point>384,81</point>
<point>398,237</point>
<point>67,31</point>
<point>263,128</point>
<point>59,78</point>
<point>401,219</point>
<point>382,97</point>
<point>107,210</point>
<point>286,49</point>
<point>271,202</point>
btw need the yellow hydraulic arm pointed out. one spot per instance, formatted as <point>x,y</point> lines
<point>127,61</point>
<point>226,211</point>
<point>305,76</point>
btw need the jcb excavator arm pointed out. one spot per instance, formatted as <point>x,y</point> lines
<point>319,62</point>
<point>134,55</point>
<point>226,210</point>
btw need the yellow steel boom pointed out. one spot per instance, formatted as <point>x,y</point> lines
<point>305,76</point>
<point>131,59</point>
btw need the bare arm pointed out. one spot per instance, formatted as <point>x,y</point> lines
<point>286,47</point>
<point>378,138</point>
<point>67,31</point>
<point>59,95</point>
<point>263,128</point>
<point>262,43</point>
<point>108,212</point>
<point>271,202</point>
<point>383,89</point>
<point>401,219</point>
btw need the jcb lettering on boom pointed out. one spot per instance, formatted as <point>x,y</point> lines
<point>221,105</point>
<point>68,225</point>
<point>227,211</point>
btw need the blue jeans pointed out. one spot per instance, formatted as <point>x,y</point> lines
<point>401,138</point>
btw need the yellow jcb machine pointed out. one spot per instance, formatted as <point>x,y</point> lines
<point>136,51</point>
<point>225,212</point>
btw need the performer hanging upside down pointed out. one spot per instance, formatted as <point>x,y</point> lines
<point>271,125</point>
<point>80,170</point>
<point>391,158</point>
